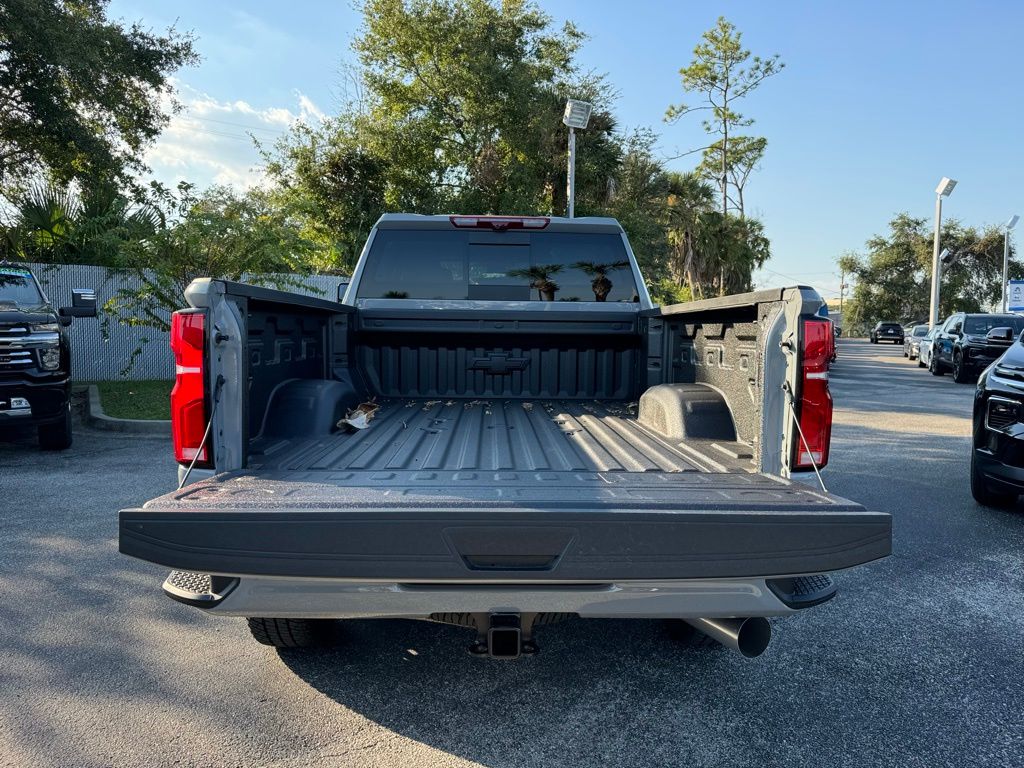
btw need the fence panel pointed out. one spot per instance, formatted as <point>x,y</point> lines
<point>102,356</point>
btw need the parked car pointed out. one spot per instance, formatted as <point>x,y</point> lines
<point>35,357</point>
<point>997,449</point>
<point>912,341</point>
<point>886,331</point>
<point>924,348</point>
<point>965,346</point>
<point>454,443</point>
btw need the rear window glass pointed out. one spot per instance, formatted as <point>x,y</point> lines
<point>498,266</point>
<point>920,330</point>
<point>890,325</point>
<point>979,326</point>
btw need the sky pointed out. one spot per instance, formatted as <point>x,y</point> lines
<point>877,102</point>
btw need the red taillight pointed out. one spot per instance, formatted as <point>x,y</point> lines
<point>814,404</point>
<point>188,398</point>
<point>499,222</point>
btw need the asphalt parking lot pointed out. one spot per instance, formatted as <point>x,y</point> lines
<point>917,662</point>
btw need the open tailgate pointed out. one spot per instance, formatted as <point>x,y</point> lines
<point>503,526</point>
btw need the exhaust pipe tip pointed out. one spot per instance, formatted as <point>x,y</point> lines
<point>754,636</point>
<point>749,636</point>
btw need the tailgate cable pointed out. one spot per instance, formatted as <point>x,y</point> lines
<point>206,433</point>
<point>796,420</point>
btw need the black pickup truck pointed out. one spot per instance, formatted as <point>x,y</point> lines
<point>35,357</point>
<point>497,429</point>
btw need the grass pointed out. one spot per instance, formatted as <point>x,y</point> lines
<point>136,399</point>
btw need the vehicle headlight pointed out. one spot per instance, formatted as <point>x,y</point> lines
<point>45,328</point>
<point>49,359</point>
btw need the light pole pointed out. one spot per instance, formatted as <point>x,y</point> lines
<point>943,190</point>
<point>577,115</point>
<point>1006,257</point>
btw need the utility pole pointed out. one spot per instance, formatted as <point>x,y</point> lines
<point>842,290</point>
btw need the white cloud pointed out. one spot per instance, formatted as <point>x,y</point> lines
<point>211,141</point>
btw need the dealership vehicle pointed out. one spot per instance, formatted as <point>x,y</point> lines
<point>964,346</point>
<point>924,348</point>
<point>997,452</point>
<point>912,341</point>
<point>887,332</point>
<point>35,357</point>
<point>496,429</point>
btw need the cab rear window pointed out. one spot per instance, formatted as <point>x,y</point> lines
<point>498,266</point>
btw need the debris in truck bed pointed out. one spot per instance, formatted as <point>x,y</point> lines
<point>360,416</point>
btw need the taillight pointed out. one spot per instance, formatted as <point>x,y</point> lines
<point>499,223</point>
<point>188,397</point>
<point>814,403</point>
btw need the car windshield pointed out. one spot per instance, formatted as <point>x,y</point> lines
<point>507,266</point>
<point>979,325</point>
<point>18,287</point>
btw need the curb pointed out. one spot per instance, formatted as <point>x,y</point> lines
<point>97,419</point>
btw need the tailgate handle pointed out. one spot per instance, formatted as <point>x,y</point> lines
<point>510,548</point>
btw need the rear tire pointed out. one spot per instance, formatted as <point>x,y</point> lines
<point>291,633</point>
<point>920,363</point>
<point>56,436</point>
<point>983,494</point>
<point>934,366</point>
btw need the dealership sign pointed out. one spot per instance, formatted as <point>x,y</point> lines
<point>1015,299</point>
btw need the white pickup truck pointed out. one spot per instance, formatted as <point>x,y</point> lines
<point>495,428</point>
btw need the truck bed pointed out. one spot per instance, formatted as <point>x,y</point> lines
<point>494,435</point>
<point>502,490</point>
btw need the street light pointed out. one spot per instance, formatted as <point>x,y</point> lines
<point>577,115</point>
<point>943,190</point>
<point>1006,256</point>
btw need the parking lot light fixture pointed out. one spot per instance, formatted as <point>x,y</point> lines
<point>577,115</point>
<point>1006,256</point>
<point>943,190</point>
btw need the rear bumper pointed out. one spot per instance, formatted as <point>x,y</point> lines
<point>505,545</point>
<point>334,599</point>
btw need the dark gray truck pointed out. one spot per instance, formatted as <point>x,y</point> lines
<point>495,428</point>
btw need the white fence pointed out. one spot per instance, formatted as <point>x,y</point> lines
<point>101,349</point>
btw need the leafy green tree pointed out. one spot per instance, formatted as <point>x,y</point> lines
<point>893,278</point>
<point>53,224</point>
<point>720,72</point>
<point>219,234</point>
<point>80,95</point>
<point>333,186</point>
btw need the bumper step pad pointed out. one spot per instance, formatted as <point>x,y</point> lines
<point>199,589</point>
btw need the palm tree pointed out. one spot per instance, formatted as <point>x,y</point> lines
<point>598,273</point>
<point>539,276</point>
<point>692,225</point>
<point>53,224</point>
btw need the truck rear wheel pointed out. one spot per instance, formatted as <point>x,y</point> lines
<point>291,633</point>
<point>56,436</point>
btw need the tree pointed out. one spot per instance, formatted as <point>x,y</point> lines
<point>334,186</point>
<point>80,96</point>
<point>745,153</point>
<point>719,71</point>
<point>894,276</point>
<point>598,273</point>
<point>54,224</point>
<point>218,234</point>
<point>540,277</point>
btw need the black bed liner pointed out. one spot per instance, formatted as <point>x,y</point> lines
<point>482,434</point>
